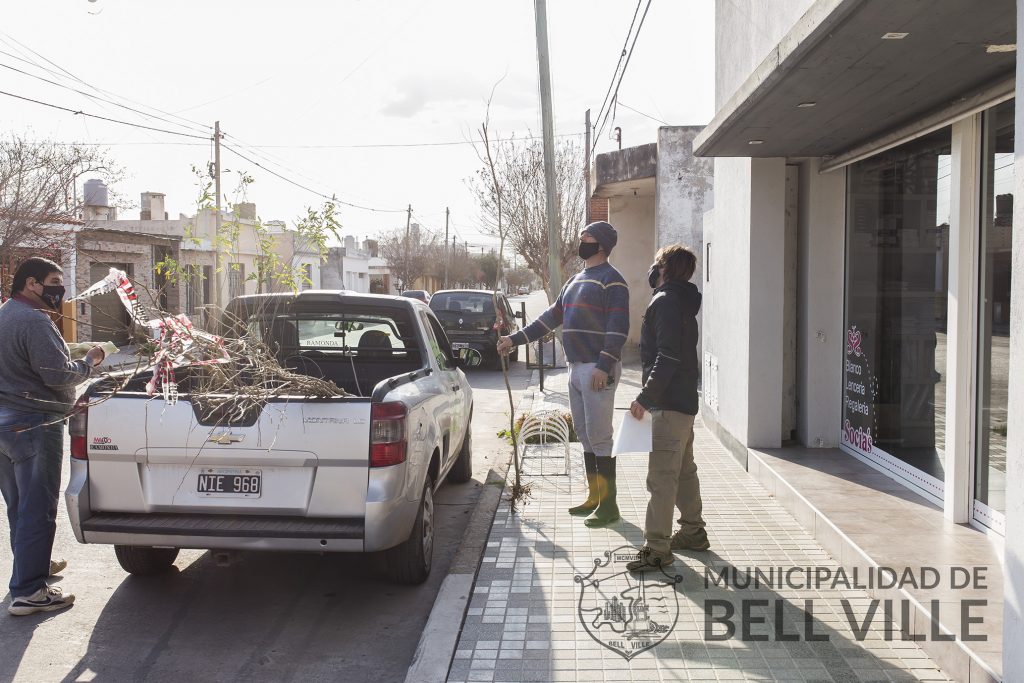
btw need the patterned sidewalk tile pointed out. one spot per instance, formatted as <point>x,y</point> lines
<point>553,602</point>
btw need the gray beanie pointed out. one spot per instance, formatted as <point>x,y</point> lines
<point>605,235</point>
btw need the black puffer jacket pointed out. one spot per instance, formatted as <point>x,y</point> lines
<point>668,349</point>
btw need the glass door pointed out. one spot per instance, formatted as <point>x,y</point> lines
<point>897,252</point>
<point>994,316</point>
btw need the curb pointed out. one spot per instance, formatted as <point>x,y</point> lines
<point>436,649</point>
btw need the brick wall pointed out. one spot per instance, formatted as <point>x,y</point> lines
<point>598,209</point>
<point>136,252</point>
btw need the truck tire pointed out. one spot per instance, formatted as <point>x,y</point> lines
<point>410,561</point>
<point>144,561</point>
<point>462,470</point>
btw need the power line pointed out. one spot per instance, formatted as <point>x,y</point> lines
<point>10,39</point>
<point>623,104</point>
<point>307,189</point>
<point>622,75</point>
<point>103,118</point>
<point>622,54</point>
<point>448,143</point>
<point>93,97</point>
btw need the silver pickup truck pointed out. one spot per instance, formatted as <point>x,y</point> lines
<point>355,473</point>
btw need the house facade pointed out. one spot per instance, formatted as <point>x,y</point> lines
<point>864,287</point>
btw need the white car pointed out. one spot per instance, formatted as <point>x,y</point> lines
<point>349,474</point>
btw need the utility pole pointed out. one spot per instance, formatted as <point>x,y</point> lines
<point>548,125</point>
<point>447,255</point>
<point>217,270</point>
<point>586,167</point>
<point>408,222</point>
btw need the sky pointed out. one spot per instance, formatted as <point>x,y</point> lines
<point>322,92</point>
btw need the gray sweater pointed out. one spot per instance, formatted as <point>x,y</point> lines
<point>36,372</point>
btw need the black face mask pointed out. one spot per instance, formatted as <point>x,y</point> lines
<point>652,276</point>
<point>53,295</point>
<point>588,250</point>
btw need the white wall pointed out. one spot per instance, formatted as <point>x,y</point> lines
<point>633,218</point>
<point>746,31</point>
<point>726,310</point>
<point>820,332</point>
<point>767,267</point>
<point>1013,577</point>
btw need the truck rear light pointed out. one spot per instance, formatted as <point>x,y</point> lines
<point>387,434</point>
<point>78,428</point>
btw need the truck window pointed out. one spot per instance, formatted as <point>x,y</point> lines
<point>440,347</point>
<point>371,334</point>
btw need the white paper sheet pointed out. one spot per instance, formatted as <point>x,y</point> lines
<point>634,436</point>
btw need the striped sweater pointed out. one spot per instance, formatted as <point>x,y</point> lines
<point>593,310</point>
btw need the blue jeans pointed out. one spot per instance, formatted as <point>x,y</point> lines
<point>31,451</point>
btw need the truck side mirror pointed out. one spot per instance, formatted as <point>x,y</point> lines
<point>468,358</point>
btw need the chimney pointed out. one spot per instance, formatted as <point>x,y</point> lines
<point>246,210</point>
<point>151,207</point>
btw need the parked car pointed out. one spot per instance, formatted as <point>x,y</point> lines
<point>524,290</point>
<point>470,320</point>
<point>418,294</point>
<point>355,473</point>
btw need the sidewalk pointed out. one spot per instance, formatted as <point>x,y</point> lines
<point>551,601</point>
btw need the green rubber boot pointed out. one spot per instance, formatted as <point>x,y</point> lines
<point>593,488</point>
<point>607,511</point>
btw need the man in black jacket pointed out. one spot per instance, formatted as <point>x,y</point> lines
<point>668,350</point>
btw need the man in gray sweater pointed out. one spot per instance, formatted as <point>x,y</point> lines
<point>37,391</point>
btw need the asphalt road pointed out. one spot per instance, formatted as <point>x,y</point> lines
<point>266,616</point>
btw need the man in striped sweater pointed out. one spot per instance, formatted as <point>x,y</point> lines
<point>593,310</point>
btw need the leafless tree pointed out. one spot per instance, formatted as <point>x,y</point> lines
<point>38,197</point>
<point>489,180</point>
<point>519,191</point>
<point>409,256</point>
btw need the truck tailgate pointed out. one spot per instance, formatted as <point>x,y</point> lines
<point>305,458</point>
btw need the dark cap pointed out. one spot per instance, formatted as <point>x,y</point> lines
<point>605,235</point>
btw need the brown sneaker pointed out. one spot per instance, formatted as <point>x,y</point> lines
<point>648,559</point>
<point>695,541</point>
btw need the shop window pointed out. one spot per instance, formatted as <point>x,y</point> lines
<point>896,282</point>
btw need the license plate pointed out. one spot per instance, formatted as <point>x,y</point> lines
<point>230,483</point>
<point>459,345</point>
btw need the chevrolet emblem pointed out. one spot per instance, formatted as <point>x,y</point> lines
<point>225,438</point>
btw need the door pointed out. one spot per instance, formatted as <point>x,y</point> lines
<point>109,318</point>
<point>451,380</point>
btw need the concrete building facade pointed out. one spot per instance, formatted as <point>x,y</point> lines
<point>654,195</point>
<point>864,287</point>
<point>348,267</point>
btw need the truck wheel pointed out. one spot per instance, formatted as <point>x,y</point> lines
<point>462,470</point>
<point>410,561</point>
<point>143,561</point>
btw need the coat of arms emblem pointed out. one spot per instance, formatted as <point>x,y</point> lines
<point>627,612</point>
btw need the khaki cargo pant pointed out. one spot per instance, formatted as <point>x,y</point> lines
<point>672,480</point>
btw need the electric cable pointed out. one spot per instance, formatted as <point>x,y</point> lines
<point>334,200</point>
<point>623,74</point>
<point>622,55</point>
<point>90,96</point>
<point>102,118</point>
<point>201,127</point>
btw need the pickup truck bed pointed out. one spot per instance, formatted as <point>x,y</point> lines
<point>339,474</point>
